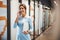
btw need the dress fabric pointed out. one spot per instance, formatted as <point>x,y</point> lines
<point>20,24</point>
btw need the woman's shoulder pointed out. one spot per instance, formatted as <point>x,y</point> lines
<point>29,17</point>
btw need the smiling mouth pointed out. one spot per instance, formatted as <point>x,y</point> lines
<point>22,11</point>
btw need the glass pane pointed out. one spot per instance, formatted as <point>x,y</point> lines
<point>3,19</point>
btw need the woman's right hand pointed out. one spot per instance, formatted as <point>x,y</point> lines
<point>18,14</point>
<point>17,17</point>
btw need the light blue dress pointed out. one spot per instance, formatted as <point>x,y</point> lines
<point>20,34</point>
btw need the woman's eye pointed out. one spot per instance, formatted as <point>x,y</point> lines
<point>22,8</point>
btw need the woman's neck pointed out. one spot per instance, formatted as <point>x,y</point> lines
<point>23,15</point>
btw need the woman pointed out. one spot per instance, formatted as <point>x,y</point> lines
<point>23,34</point>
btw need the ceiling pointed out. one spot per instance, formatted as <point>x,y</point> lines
<point>48,3</point>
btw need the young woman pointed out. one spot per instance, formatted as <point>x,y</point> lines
<point>21,20</point>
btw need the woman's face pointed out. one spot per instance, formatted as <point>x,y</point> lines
<point>22,10</point>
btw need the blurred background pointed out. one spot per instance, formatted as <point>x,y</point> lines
<point>45,17</point>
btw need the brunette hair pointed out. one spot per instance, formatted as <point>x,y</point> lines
<point>23,6</point>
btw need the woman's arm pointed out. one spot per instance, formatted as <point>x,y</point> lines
<point>15,23</point>
<point>30,25</point>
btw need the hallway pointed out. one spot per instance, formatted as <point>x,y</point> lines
<point>52,33</point>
